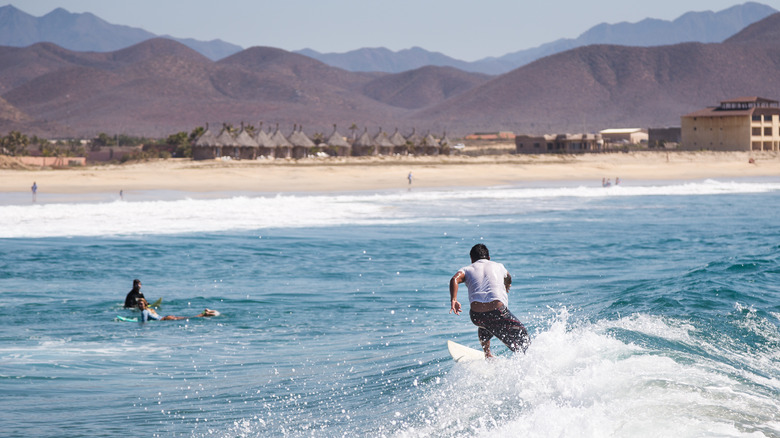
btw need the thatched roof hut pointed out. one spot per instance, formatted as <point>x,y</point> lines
<point>336,145</point>
<point>430,145</point>
<point>247,145</point>
<point>383,144</point>
<point>282,147</point>
<point>301,143</point>
<point>264,147</point>
<point>399,143</point>
<point>414,143</point>
<point>206,146</point>
<point>230,147</point>
<point>364,145</point>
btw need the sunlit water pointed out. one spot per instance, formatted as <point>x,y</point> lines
<point>653,308</point>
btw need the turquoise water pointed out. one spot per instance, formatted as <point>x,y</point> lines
<point>653,308</point>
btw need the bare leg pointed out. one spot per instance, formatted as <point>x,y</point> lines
<point>484,339</point>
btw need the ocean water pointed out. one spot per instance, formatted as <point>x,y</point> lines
<point>653,308</point>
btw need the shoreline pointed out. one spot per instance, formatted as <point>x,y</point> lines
<point>359,174</point>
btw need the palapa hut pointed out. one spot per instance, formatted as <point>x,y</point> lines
<point>399,143</point>
<point>336,145</point>
<point>206,146</point>
<point>301,143</point>
<point>364,145</point>
<point>264,148</point>
<point>383,144</point>
<point>430,145</point>
<point>282,147</point>
<point>414,143</point>
<point>230,147</point>
<point>247,146</point>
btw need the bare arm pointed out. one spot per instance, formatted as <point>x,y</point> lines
<point>507,282</point>
<point>454,281</point>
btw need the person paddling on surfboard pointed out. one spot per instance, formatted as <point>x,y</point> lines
<point>488,284</point>
<point>131,300</point>
<point>148,313</point>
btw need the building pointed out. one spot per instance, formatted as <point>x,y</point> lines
<point>501,135</point>
<point>741,124</point>
<point>624,136</point>
<point>558,143</point>
<point>664,138</point>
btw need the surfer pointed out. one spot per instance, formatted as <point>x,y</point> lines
<point>148,313</point>
<point>488,284</point>
<point>131,300</point>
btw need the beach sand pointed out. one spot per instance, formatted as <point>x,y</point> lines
<point>381,173</point>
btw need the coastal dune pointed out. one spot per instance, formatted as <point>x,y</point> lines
<point>382,173</point>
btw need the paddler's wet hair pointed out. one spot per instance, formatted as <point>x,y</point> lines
<point>479,252</point>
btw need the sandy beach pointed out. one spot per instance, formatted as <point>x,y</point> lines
<point>381,173</point>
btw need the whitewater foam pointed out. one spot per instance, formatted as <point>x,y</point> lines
<point>291,211</point>
<point>581,381</point>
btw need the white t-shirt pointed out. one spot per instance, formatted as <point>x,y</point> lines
<point>485,280</point>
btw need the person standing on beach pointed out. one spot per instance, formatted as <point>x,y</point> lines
<point>410,177</point>
<point>135,295</point>
<point>488,284</point>
<point>34,189</point>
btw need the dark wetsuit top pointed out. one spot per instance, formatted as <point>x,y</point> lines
<point>131,300</point>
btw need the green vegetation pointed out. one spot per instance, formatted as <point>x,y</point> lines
<point>179,144</point>
<point>14,144</point>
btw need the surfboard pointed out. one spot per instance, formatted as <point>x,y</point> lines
<point>157,303</point>
<point>122,318</point>
<point>462,353</point>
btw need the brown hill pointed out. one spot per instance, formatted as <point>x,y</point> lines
<point>764,31</point>
<point>160,86</point>
<point>595,87</point>
<point>422,87</point>
<point>10,113</point>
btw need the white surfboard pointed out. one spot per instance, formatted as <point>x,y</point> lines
<point>462,353</point>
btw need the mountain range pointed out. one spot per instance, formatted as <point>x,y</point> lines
<point>161,86</point>
<point>86,32</point>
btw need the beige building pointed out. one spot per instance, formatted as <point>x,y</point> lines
<point>624,136</point>
<point>742,124</point>
<point>558,143</point>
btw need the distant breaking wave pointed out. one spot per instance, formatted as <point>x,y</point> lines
<point>294,211</point>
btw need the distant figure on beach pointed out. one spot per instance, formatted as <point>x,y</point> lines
<point>488,284</point>
<point>606,183</point>
<point>122,195</point>
<point>617,180</point>
<point>135,295</point>
<point>34,189</point>
<point>148,313</point>
<point>410,178</point>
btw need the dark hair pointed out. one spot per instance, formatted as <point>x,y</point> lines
<point>136,282</point>
<point>479,252</point>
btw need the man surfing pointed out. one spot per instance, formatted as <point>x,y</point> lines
<point>488,284</point>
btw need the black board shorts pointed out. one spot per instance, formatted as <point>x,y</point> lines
<point>503,325</point>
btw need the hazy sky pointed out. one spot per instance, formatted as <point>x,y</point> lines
<point>467,30</point>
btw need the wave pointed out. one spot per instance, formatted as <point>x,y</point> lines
<point>581,380</point>
<point>291,211</point>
